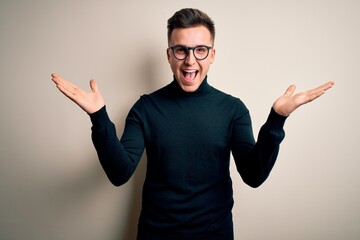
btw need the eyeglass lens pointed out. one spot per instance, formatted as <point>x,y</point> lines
<point>181,52</point>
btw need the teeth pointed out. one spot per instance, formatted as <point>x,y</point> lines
<point>189,71</point>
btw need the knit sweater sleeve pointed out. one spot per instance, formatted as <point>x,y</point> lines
<point>118,158</point>
<point>255,160</point>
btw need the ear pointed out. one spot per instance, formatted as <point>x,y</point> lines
<point>168,54</point>
<point>212,55</point>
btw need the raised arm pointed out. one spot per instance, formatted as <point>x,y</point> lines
<point>90,102</point>
<point>288,102</point>
<point>117,158</point>
<point>254,161</point>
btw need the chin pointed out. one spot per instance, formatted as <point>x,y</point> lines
<point>189,86</point>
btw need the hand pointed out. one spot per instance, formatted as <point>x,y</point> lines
<point>90,102</point>
<point>287,103</point>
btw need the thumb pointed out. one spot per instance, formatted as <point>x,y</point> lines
<point>93,86</point>
<point>290,90</point>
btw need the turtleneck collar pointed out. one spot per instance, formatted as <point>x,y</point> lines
<point>202,90</point>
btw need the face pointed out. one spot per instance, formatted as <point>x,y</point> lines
<point>190,72</point>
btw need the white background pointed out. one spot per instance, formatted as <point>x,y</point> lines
<point>51,183</point>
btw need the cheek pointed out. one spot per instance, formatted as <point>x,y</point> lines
<point>174,65</point>
<point>205,66</point>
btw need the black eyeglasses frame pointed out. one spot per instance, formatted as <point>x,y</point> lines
<point>188,51</point>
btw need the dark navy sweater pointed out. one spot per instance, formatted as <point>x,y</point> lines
<point>188,139</point>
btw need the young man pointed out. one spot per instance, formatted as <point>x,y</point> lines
<point>189,130</point>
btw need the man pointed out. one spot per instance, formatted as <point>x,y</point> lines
<point>189,130</point>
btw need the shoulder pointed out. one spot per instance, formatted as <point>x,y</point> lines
<point>228,99</point>
<point>149,100</point>
<point>159,93</point>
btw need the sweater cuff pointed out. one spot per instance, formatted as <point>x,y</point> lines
<point>276,120</point>
<point>100,118</point>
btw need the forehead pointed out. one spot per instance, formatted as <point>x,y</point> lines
<point>192,36</point>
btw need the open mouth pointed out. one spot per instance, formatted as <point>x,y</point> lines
<point>190,75</point>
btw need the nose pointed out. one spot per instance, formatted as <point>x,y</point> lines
<point>190,58</point>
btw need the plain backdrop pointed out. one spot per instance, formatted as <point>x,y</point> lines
<point>51,183</point>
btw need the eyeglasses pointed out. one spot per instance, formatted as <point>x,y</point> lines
<point>181,52</point>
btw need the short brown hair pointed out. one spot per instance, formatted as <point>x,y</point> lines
<point>189,17</point>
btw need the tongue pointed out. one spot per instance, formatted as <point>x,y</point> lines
<point>189,75</point>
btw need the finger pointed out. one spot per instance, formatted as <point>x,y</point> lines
<point>290,90</point>
<point>328,85</point>
<point>324,87</point>
<point>93,86</point>
<point>59,80</point>
<point>70,93</point>
<point>55,78</point>
<point>316,92</point>
<point>66,85</point>
<point>67,88</point>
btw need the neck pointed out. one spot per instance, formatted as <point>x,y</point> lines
<point>201,90</point>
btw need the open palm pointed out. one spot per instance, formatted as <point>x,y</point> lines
<point>90,102</point>
<point>288,102</point>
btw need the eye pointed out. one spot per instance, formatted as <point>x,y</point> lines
<point>201,50</point>
<point>180,50</point>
